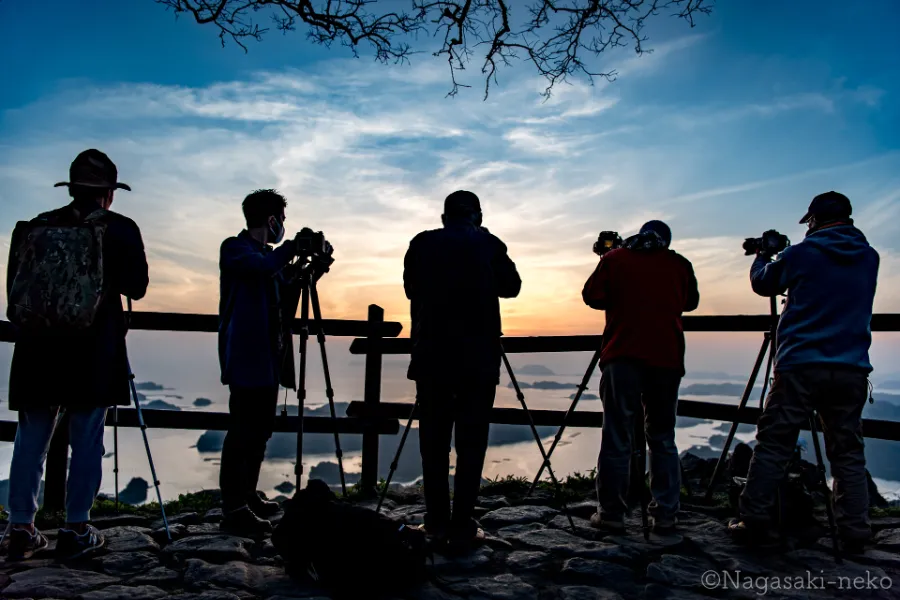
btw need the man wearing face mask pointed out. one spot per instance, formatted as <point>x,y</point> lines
<point>454,278</point>
<point>256,306</point>
<point>821,363</point>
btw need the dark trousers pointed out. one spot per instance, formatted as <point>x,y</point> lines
<point>252,419</point>
<point>839,396</point>
<point>468,406</point>
<point>624,387</point>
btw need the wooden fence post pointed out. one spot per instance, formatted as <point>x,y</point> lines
<point>57,467</point>
<point>372,397</point>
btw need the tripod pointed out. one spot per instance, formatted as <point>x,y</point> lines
<point>537,437</point>
<point>768,345</point>
<point>140,416</point>
<point>584,385</point>
<point>309,295</point>
<point>395,463</point>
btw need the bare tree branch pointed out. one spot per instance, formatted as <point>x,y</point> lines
<point>556,36</point>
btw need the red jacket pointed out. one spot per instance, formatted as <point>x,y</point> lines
<point>643,294</point>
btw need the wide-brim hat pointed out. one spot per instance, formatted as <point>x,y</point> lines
<point>94,169</point>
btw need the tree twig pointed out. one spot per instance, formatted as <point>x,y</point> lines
<point>557,37</point>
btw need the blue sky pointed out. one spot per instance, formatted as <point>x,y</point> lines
<point>727,129</point>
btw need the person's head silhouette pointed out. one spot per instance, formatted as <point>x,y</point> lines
<point>462,207</point>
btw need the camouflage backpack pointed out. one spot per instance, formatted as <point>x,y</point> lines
<point>59,280</point>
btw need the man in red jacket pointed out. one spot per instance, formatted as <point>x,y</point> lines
<point>643,287</point>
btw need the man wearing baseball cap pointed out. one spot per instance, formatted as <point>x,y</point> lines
<point>83,372</point>
<point>454,278</point>
<point>821,363</point>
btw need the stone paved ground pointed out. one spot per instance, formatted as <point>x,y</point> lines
<point>531,553</point>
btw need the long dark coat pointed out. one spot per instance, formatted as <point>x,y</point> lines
<point>88,370</point>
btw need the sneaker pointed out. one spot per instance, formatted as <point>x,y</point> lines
<point>435,541</point>
<point>759,536</point>
<point>71,545</point>
<point>614,526</point>
<point>21,544</point>
<point>853,545</point>
<point>261,507</point>
<point>244,522</point>
<point>458,544</point>
<point>665,526</point>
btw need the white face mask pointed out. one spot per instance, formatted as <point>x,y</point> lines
<point>277,234</point>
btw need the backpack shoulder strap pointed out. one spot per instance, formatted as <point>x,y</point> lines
<point>96,215</point>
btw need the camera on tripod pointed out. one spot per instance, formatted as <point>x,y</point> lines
<point>771,242</point>
<point>606,241</point>
<point>313,246</point>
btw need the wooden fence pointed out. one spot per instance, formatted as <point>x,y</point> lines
<point>371,417</point>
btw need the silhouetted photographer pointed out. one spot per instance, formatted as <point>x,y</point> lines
<point>821,363</point>
<point>68,269</point>
<point>644,287</point>
<point>454,278</point>
<point>259,294</point>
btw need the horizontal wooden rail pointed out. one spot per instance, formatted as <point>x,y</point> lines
<point>154,321</point>
<point>512,345</point>
<point>588,343</point>
<point>872,428</point>
<point>216,421</point>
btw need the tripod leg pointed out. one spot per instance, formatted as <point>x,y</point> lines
<point>734,426</point>
<point>765,383</point>
<point>396,461</point>
<point>835,542</point>
<point>140,416</point>
<point>537,438</point>
<point>301,381</point>
<point>329,392</point>
<point>116,453</point>
<point>584,384</point>
<point>639,469</point>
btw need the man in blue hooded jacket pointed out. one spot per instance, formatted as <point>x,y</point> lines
<point>821,363</point>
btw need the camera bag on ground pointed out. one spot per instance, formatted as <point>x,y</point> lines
<point>59,283</point>
<point>348,549</point>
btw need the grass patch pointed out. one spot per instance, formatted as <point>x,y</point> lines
<point>510,485</point>
<point>199,502</point>
<point>890,511</point>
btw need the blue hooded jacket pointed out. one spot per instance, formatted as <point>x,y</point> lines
<point>830,278</point>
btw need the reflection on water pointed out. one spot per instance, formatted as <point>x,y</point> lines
<point>185,367</point>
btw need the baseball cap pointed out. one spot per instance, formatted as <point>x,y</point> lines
<point>461,202</point>
<point>828,206</point>
<point>93,168</point>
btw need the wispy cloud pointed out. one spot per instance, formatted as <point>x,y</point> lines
<point>367,155</point>
<point>774,181</point>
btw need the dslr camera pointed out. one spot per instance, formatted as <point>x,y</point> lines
<point>312,245</point>
<point>771,243</point>
<point>606,241</point>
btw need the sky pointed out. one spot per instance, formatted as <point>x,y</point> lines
<point>727,129</point>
